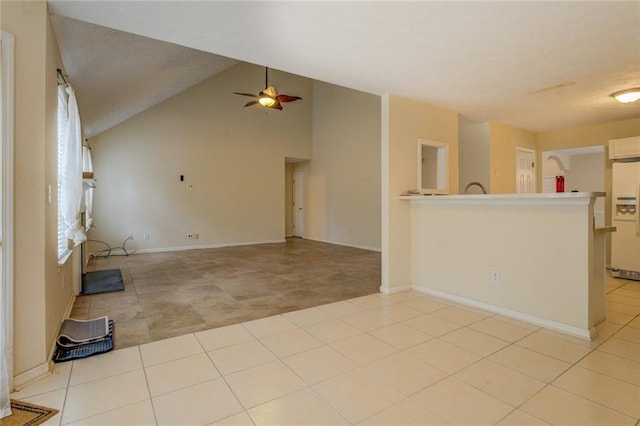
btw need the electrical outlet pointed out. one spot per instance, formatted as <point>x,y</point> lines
<point>495,275</point>
<point>193,236</point>
<point>146,236</point>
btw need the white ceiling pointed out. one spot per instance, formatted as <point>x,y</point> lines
<point>536,65</point>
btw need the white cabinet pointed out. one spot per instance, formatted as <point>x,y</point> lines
<point>624,148</point>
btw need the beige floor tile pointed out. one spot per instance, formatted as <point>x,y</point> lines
<point>612,366</point>
<point>181,373</point>
<point>357,396</point>
<point>222,337</point>
<point>341,309</point>
<point>554,347</point>
<point>306,317</point>
<point>458,403</point>
<point>401,336</point>
<point>241,356</point>
<point>371,301</point>
<point>629,333</point>
<point>520,418</point>
<point>240,419</point>
<point>431,325</point>
<point>57,379</point>
<point>619,317</point>
<point>502,382</point>
<point>403,372</point>
<point>443,355</point>
<point>290,342</point>
<point>368,320</point>
<point>105,365</point>
<point>319,364</point>
<point>397,312</point>
<point>460,315</point>
<point>425,304</point>
<point>267,326</point>
<point>169,349</point>
<point>363,348</point>
<point>140,413</point>
<point>404,413</point>
<point>623,308</point>
<point>627,298</point>
<point>102,395</point>
<point>54,399</point>
<point>331,331</point>
<point>517,323</point>
<point>602,389</point>
<point>635,322</point>
<point>501,329</point>
<point>531,363</point>
<point>474,341</point>
<point>303,407</point>
<point>622,348</point>
<point>197,405</point>
<point>263,383</point>
<point>559,407</point>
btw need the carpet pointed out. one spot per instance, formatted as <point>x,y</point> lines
<point>95,282</point>
<point>26,414</point>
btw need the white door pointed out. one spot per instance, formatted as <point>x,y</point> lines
<point>525,171</point>
<point>298,204</point>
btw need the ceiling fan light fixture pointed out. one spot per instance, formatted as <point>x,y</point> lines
<point>266,101</point>
<point>627,96</point>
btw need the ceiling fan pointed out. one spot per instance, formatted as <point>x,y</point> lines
<point>269,96</point>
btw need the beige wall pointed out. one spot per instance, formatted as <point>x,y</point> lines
<point>474,154</point>
<point>342,180</point>
<point>404,121</point>
<point>503,141</point>
<point>41,292</point>
<point>233,156</point>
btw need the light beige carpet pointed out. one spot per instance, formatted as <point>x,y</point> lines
<point>26,414</point>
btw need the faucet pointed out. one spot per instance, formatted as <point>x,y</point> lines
<point>470,184</point>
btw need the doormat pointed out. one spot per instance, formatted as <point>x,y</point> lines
<point>26,414</point>
<point>95,282</point>
<point>68,352</point>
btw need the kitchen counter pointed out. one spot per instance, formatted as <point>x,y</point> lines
<point>534,257</point>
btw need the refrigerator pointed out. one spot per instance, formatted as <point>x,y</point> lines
<point>625,212</point>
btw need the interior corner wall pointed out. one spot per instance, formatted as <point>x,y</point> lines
<point>407,121</point>
<point>342,180</point>
<point>474,152</point>
<point>232,159</point>
<point>503,141</point>
<point>39,299</point>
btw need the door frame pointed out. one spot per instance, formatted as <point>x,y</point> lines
<point>6,276</point>
<point>534,181</point>
<point>298,198</point>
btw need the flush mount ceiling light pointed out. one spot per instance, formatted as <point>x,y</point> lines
<point>269,96</point>
<point>627,96</point>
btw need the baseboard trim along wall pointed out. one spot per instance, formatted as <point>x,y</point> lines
<point>25,379</point>
<point>395,289</point>
<point>542,322</point>
<point>205,246</point>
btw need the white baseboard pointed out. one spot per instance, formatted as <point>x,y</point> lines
<point>344,244</point>
<point>588,334</point>
<point>25,379</point>
<point>205,246</point>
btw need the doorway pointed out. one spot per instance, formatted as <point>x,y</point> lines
<point>298,204</point>
<point>525,171</point>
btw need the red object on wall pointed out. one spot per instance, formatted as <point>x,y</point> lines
<point>559,183</point>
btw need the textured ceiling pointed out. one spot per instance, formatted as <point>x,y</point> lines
<point>537,65</point>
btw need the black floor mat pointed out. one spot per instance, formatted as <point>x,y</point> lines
<point>63,354</point>
<point>102,281</point>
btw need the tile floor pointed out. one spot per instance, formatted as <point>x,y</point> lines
<point>174,293</point>
<point>398,359</point>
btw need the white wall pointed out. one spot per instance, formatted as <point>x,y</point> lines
<point>586,174</point>
<point>342,181</point>
<point>233,157</point>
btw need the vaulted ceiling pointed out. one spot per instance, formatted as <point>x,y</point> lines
<point>537,65</point>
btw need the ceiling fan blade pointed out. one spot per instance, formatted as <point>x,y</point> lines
<point>276,105</point>
<point>250,103</point>
<point>245,94</point>
<point>287,98</point>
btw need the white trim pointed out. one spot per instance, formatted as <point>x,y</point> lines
<point>204,246</point>
<point>343,244</point>
<point>7,40</point>
<point>588,334</point>
<point>23,380</point>
<point>396,289</point>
